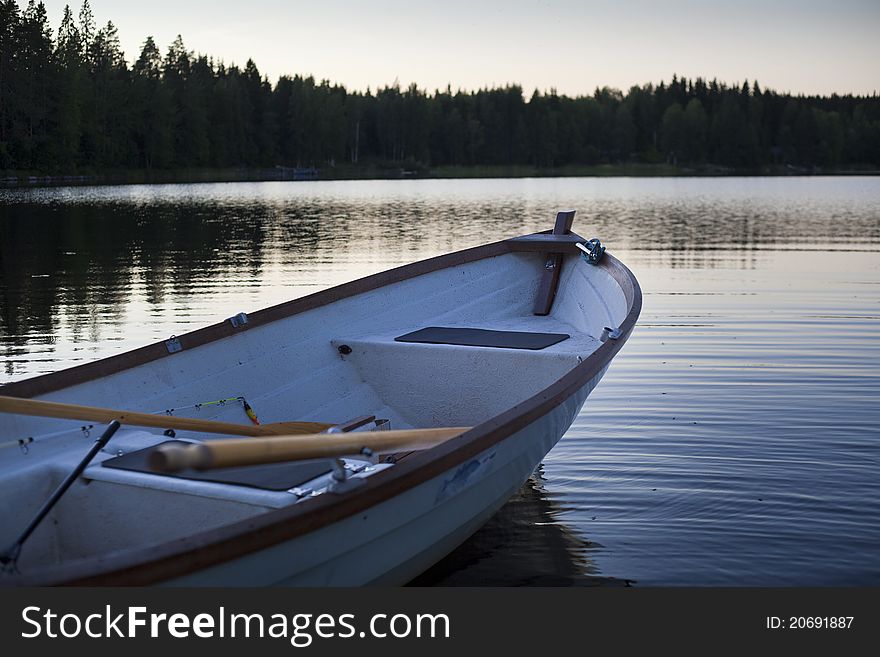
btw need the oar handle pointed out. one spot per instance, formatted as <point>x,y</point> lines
<point>236,452</point>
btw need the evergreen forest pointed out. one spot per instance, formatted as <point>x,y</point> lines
<point>71,102</point>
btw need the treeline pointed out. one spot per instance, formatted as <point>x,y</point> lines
<point>72,103</point>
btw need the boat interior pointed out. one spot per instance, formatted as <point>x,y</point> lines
<point>331,363</point>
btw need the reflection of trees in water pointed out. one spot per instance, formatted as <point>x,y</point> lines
<point>524,544</point>
<point>84,260</point>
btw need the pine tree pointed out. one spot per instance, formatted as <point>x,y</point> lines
<point>86,30</point>
<point>695,131</point>
<point>9,104</point>
<point>672,134</point>
<point>151,110</point>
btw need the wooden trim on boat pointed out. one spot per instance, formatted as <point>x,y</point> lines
<point>179,557</point>
<point>543,242</point>
<point>552,266</point>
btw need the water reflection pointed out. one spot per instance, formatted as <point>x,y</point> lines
<point>89,271</point>
<point>524,544</point>
<point>74,272</point>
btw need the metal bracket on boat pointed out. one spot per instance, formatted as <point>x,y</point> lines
<point>351,425</point>
<point>173,345</point>
<point>238,320</point>
<point>300,492</point>
<point>341,480</point>
<point>592,251</point>
<point>609,333</point>
<point>368,455</point>
<point>339,473</point>
<point>21,442</point>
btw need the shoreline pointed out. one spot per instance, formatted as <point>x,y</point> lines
<point>29,179</point>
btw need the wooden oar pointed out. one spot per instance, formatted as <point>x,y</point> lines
<point>93,414</point>
<point>236,452</point>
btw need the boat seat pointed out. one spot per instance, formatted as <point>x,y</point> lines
<point>461,383</point>
<point>475,337</point>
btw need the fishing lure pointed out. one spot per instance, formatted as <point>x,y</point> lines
<point>252,415</point>
<point>250,411</point>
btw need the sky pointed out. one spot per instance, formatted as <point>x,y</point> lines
<point>797,46</point>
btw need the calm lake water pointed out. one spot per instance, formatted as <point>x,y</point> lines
<point>734,441</point>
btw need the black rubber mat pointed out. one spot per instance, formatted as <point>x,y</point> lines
<point>472,337</point>
<point>272,476</point>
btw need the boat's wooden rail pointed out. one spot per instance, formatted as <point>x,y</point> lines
<point>544,242</point>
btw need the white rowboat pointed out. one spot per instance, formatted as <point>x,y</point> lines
<point>502,343</point>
